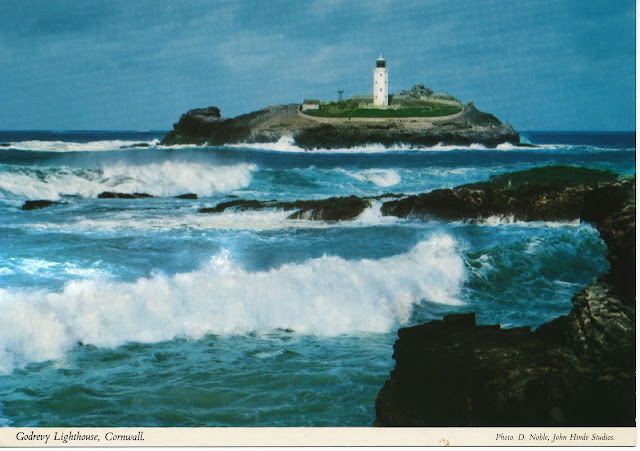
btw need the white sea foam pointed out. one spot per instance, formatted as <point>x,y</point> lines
<point>493,221</point>
<point>188,219</point>
<point>287,144</point>
<point>158,179</point>
<point>71,146</point>
<point>326,296</point>
<point>379,177</point>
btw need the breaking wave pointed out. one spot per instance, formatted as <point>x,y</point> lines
<point>72,146</point>
<point>158,179</point>
<point>326,296</point>
<point>287,144</point>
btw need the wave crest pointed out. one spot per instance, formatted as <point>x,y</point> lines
<point>324,296</point>
<point>158,179</point>
<point>72,146</point>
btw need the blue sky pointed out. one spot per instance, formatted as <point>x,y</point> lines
<point>114,64</point>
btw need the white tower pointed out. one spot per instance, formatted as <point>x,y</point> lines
<point>381,83</point>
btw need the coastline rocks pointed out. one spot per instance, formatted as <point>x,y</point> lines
<point>540,194</point>
<point>331,209</point>
<point>112,195</point>
<point>39,204</point>
<point>471,127</point>
<point>577,370</point>
<point>453,372</point>
<point>206,125</point>
<point>135,146</point>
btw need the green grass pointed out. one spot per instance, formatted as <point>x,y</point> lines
<point>334,111</point>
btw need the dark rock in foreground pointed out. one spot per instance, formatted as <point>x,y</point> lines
<point>577,370</point>
<point>112,195</point>
<point>456,373</point>
<point>38,204</point>
<point>332,209</point>
<point>206,125</point>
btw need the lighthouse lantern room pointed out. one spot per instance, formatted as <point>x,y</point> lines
<point>381,83</point>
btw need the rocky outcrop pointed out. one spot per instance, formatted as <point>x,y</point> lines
<point>549,193</point>
<point>206,125</point>
<point>453,372</point>
<point>112,195</point>
<point>577,370</point>
<point>38,204</point>
<point>191,196</point>
<point>332,209</point>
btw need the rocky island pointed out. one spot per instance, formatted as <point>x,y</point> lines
<point>415,117</point>
<point>468,126</point>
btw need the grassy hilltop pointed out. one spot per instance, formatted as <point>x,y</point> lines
<point>352,108</point>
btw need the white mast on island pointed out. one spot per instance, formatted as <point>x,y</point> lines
<point>381,83</point>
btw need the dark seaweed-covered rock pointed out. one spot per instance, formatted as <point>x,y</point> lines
<point>38,204</point>
<point>112,195</point>
<point>540,194</point>
<point>332,209</point>
<point>577,370</point>
<point>187,196</point>
<point>134,146</point>
<point>238,205</point>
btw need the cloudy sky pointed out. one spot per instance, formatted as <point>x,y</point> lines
<point>128,65</point>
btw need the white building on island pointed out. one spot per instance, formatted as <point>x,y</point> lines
<point>381,83</point>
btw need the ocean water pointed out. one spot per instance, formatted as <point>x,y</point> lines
<point>143,312</point>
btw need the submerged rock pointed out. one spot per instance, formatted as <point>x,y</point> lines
<point>239,204</point>
<point>134,146</point>
<point>112,195</point>
<point>38,204</point>
<point>332,209</point>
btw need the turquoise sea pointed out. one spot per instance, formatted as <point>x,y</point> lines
<point>144,312</point>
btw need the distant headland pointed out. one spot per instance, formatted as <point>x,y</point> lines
<point>414,117</point>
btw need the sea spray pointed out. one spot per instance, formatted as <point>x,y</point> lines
<point>287,144</point>
<point>71,146</point>
<point>379,177</point>
<point>326,296</point>
<point>158,179</point>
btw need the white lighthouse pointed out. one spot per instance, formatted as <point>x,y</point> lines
<point>381,83</point>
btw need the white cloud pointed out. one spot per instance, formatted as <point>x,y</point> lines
<point>289,59</point>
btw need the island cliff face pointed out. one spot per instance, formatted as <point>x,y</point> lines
<point>577,370</point>
<point>206,125</point>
